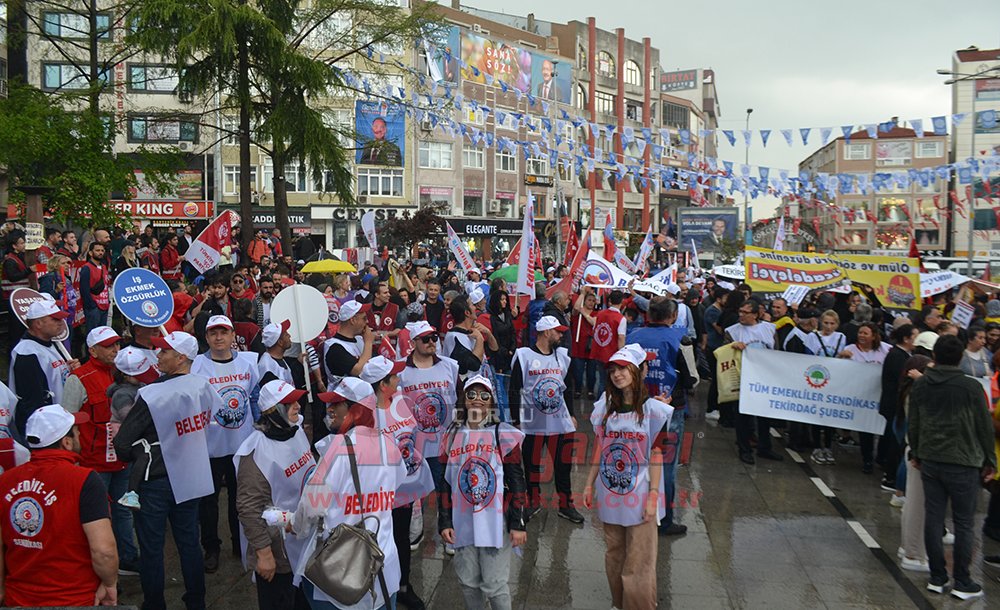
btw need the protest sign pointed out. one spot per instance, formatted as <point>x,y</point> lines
<point>22,298</point>
<point>962,314</point>
<point>939,281</point>
<point>727,372</point>
<point>773,271</point>
<point>830,392</point>
<point>794,294</point>
<point>143,297</point>
<point>307,312</point>
<point>599,273</point>
<point>894,280</point>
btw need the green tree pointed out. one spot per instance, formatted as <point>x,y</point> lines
<point>274,62</point>
<point>44,144</point>
<point>407,229</point>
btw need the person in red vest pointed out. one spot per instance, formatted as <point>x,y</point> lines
<point>170,258</point>
<point>49,248</point>
<point>384,317</point>
<point>610,328</point>
<point>95,287</point>
<point>86,391</point>
<point>56,539</point>
<point>15,275</point>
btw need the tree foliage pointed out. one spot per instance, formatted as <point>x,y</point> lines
<point>407,230</point>
<point>44,144</point>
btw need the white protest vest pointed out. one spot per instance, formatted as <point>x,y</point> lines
<point>181,408</point>
<point>398,423</point>
<point>759,336</point>
<point>832,344</point>
<point>53,365</point>
<point>811,341</point>
<point>475,473</point>
<point>682,315</point>
<point>433,394</point>
<point>353,347</point>
<point>543,410</point>
<point>285,465</point>
<point>625,446</point>
<point>381,471</point>
<point>7,403</point>
<point>236,383</point>
<point>267,364</point>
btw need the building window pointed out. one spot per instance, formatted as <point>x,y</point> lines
<point>633,110</point>
<point>632,220</point>
<point>341,122</point>
<point>891,209</point>
<point>506,121</point>
<point>436,196</point>
<point>604,102</point>
<point>231,179</point>
<point>472,203</point>
<point>161,130</point>
<point>474,116</point>
<point>67,76</point>
<point>605,64</point>
<point>857,152</point>
<point>582,101</point>
<point>473,158</point>
<point>506,162</point>
<point>676,116</point>
<point>152,79</point>
<point>581,58</point>
<point>230,130</point>
<point>633,75</point>
<point>380,182</point>
<point>893,153</point>
<point>435,155</point>
<point>295,178</point>
<point>537,166</point>
<point>73,25</point>
<point>927,150</point>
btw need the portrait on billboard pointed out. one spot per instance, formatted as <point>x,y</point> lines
<point>707,227</point>
<point>381,130</point>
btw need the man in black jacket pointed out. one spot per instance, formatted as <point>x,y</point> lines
<point>557,307</point>
<point>902,338</point>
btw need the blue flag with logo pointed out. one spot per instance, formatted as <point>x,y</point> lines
<point>764,135</point>
<point>729,136</point>
<point>804,132</point>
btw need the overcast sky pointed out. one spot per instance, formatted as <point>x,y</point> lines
<point>798,63</point>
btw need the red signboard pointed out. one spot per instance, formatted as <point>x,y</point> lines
<point>171,210</point>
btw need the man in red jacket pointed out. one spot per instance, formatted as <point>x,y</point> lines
<point>170,259</point>
<point>610,328</point>
<point>56,540</point>
<point>86,392</point>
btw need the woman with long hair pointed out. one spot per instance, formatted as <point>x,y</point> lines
<point>913,554</point>
<point>483,475</point>
<point>627,427</point>
<point>502,327</point>
<point>869,349</point>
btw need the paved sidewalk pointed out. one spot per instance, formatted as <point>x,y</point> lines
<point>761,536</point>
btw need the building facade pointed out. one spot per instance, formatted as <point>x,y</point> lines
<point>872,210</point>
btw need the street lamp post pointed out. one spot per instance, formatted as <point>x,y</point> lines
<point>747,230</point>
<point>958,77</point>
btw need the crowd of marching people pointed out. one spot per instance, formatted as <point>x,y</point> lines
<point>432,394</point>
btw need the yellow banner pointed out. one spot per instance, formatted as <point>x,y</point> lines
<point>774,271</point>
<point>895,280</point>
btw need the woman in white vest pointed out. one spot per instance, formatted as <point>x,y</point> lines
<point>271,466</point>
<point>627,426</point>
<point>483,476</point>
<point>394,419</point>
<point>330,498</point>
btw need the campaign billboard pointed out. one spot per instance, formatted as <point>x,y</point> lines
<point>442,49</point>
<point>381,129</point>
<point>543,76</point>
<point>708,227</point>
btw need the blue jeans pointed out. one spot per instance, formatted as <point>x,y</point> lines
<point>584,368</point>
<point>158,506</point>
<point>671,457</point>
<point>602,377</point>
<point>121,517</point>
<point>92,318</point>
<point>315,604</point>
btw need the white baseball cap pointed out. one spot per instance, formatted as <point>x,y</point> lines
<point>549,323</point>
<point>727,285</point>
<point>50,423</point>
<point>673,288</point>
<point>926,340</point>
<point>105,336</point>
<point>219,321</point>
<point>474,270</point>
<point>633,353</point>
<point>45,307</point>
<point>179,341</point>
<point>479,380</point>
<point>351,389</point>
<point>272,332</point>
<point>352,308</point>
<point>136,362</point>
<point>476,296</point>
<point>550,270</point>
<point>278,392</point>
<point>420,328</point>
<point>380,367</point>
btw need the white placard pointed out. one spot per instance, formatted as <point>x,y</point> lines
<point>831,392</point>
<point>794,294</point>
<point>963,314</point>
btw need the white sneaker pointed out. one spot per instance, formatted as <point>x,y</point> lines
<point>712,416</point>
<point>830,460</point>
<point>900,552</point>
<point>915,565</point>
<point>449,550</point>
<point>897,501</point>
<point>416,525</point>
<point>818,456</point>
<point>948,538</point>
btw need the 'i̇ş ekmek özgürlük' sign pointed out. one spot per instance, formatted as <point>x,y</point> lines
<point>812,389</point>
<point>143,297</point>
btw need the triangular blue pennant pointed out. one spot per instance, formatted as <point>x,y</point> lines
<point>747,134</point>
<point>847,130</point>
<point>729,167</point>
<point>787,134</point>
<point>940,124</point>
<point>956,119</point>
<point>729,136</point>
<point>764,173</point>
<point>804,132</point>
<point>685,136</point>
<point>872,130</point>
<point>918,127</point>
<point>765,134</point>
<point>824,134</point>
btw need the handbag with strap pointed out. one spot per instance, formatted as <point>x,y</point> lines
<point>346,564</point>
